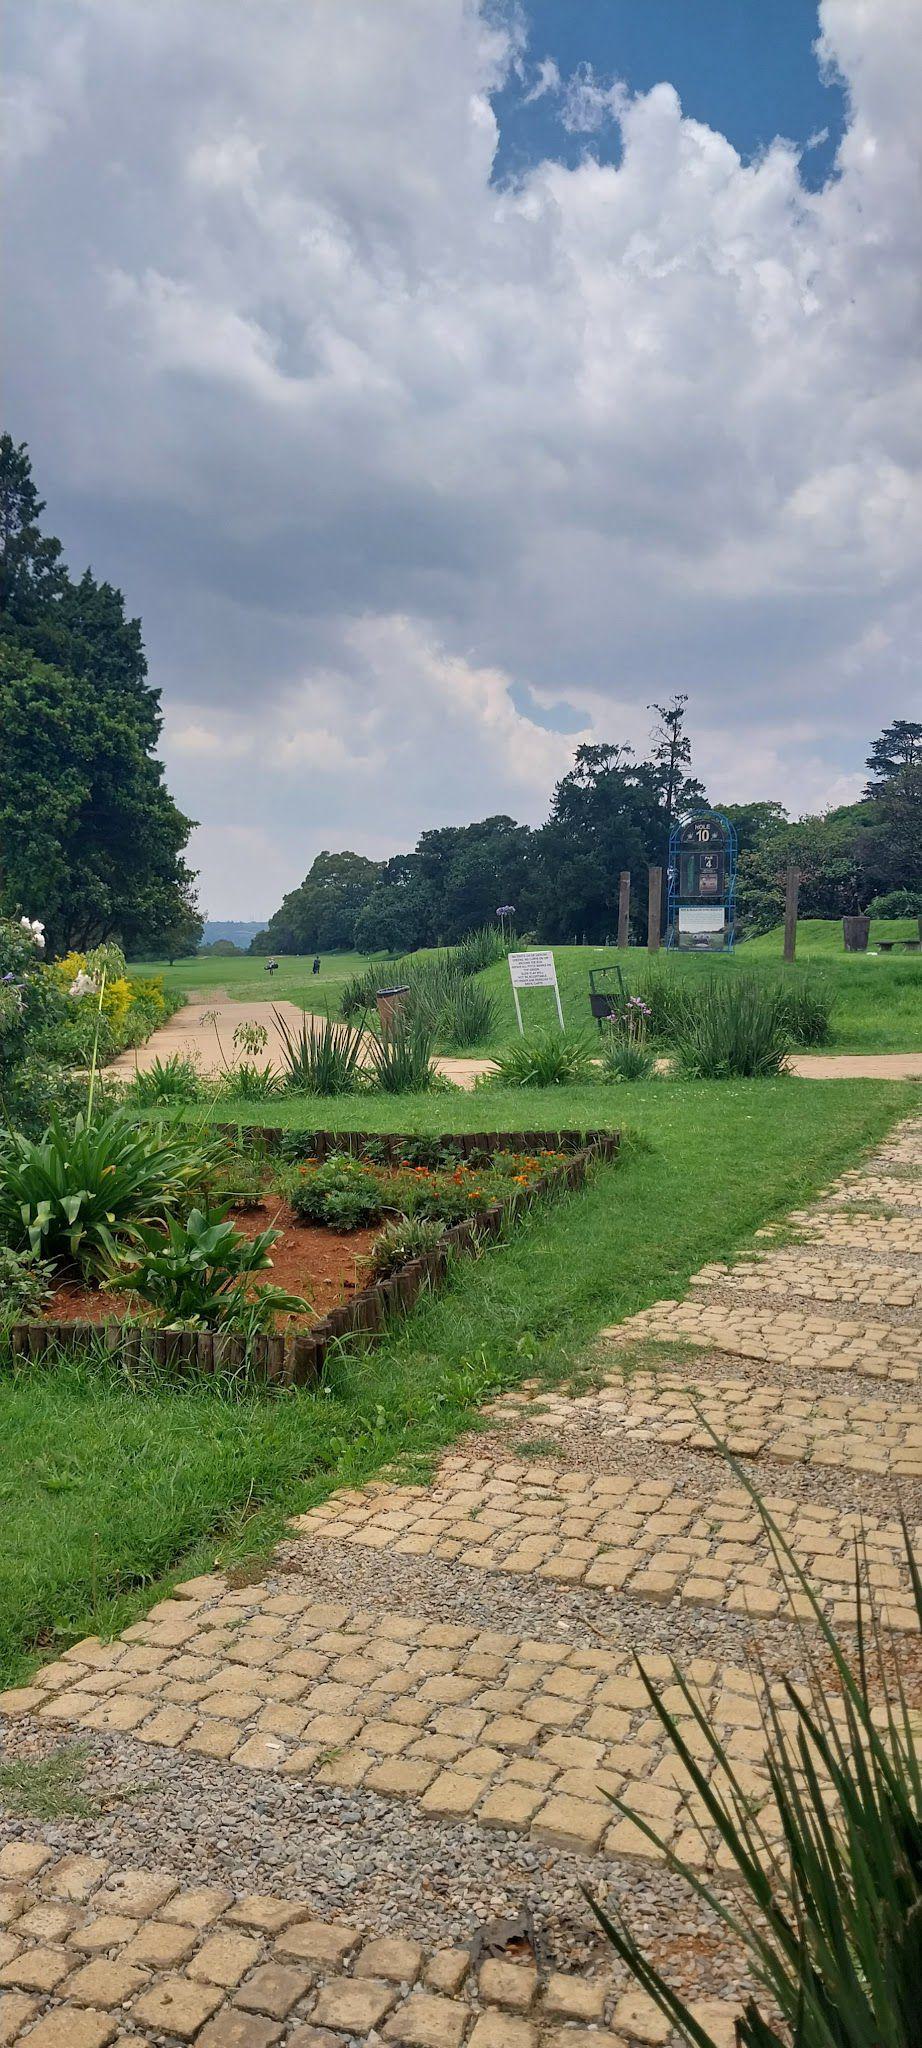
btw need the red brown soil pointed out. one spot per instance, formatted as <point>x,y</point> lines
<point>323,1265</point>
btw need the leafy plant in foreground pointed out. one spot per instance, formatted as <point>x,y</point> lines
<point>323,1058</point>
<point>342,1193</point>
<point>548,1059</point>
<point>25,1284</point>
<point>831,1916</point>
<point>197,1272</point>
<point>83,1189</point>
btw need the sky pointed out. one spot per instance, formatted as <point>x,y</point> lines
<point>443,383</point>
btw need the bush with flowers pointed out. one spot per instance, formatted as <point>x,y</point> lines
<point>51,1017</point>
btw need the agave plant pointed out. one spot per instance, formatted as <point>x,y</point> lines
<point>83,1190</point>
<point>322,1058</point>
<point>831,1920</point>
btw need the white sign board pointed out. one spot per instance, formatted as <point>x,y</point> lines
<point>533,970</point>
<point>705,917</point>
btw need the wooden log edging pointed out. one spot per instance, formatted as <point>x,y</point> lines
<point>296,1358</point>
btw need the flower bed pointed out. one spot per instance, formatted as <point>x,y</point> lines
<point>494,1176</point>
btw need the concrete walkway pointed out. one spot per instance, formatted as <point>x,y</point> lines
<point>204,1032</point>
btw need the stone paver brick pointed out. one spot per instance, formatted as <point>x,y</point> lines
<point>428,2021</point>
<point>239,2030</point>
<point>174,2006</point>
<point>68,2028</point>
<point>17,2008</point>
<point>223,1959</point>
<point>274,1989</point>
<point>353,2005</point>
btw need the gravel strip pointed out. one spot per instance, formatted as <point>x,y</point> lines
<point>370,1861</point>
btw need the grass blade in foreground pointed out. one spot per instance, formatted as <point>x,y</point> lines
<point>831,1915</point>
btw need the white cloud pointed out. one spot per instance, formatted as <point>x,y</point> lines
<point>381,451</point>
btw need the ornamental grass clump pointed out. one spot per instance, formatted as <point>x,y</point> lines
<point>402,1239</point>
<point>546,1059</point>
<point>468,1017</point>
<point>807,1005</point>
<point>399,1062</point>
<point>322,1058</point>
<point>175,1079</point>
<point>829,1912</point>
<point>737,1030</point>
<point>626,1054</point>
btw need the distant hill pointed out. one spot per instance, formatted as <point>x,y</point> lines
<point>239,931</point>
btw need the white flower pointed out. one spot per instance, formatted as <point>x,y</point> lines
<point>35,929</point>
<point>83,985</point>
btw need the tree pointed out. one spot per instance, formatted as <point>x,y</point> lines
<point>671,755</point>
<point>898,748</point>
<point>607,814</point>
<point>320,915</point>
<point>180,939</point>
<point>90,838</point>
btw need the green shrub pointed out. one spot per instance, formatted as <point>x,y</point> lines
<point>468,1017</point>
<point>196,1273</point>
<point>806,1007</point>
<point>670,1000</point>
<point>831,1919</point>
<point>897,903</point>
<point>341,1193</point>
<point>548,1059</point>
<point>175,1079</point>
<point>626,1059</point>
<point>321,1060</point>
<point>25,1284</point>
<point>403,1238</point>
<point>251,1082</point>
<point>737,1031</point>
<point>82,1190</point>
<point>399,1061</point>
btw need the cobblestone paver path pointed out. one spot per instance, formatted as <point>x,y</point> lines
<point>317,1792</point>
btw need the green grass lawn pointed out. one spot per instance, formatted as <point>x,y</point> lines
<point>245,979</point>
<point>878,996</point>
<point>108,1488</point>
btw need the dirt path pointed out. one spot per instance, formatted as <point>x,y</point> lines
<point>205,1032</point>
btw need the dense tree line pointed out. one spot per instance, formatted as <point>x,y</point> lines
<point>613,812</point>
<point>90,838</point>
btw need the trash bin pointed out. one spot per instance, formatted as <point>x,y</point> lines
<point>391,1003</point>
<point>855,931</point>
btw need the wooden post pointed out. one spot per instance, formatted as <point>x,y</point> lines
<point>791,893</point>
<point>624,907</point>
<point>654,909</point>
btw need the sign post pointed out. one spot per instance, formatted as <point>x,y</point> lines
<point>533,970</point>
<point>654,908</point>
<point>791,893</point>
<point>702,883</point>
